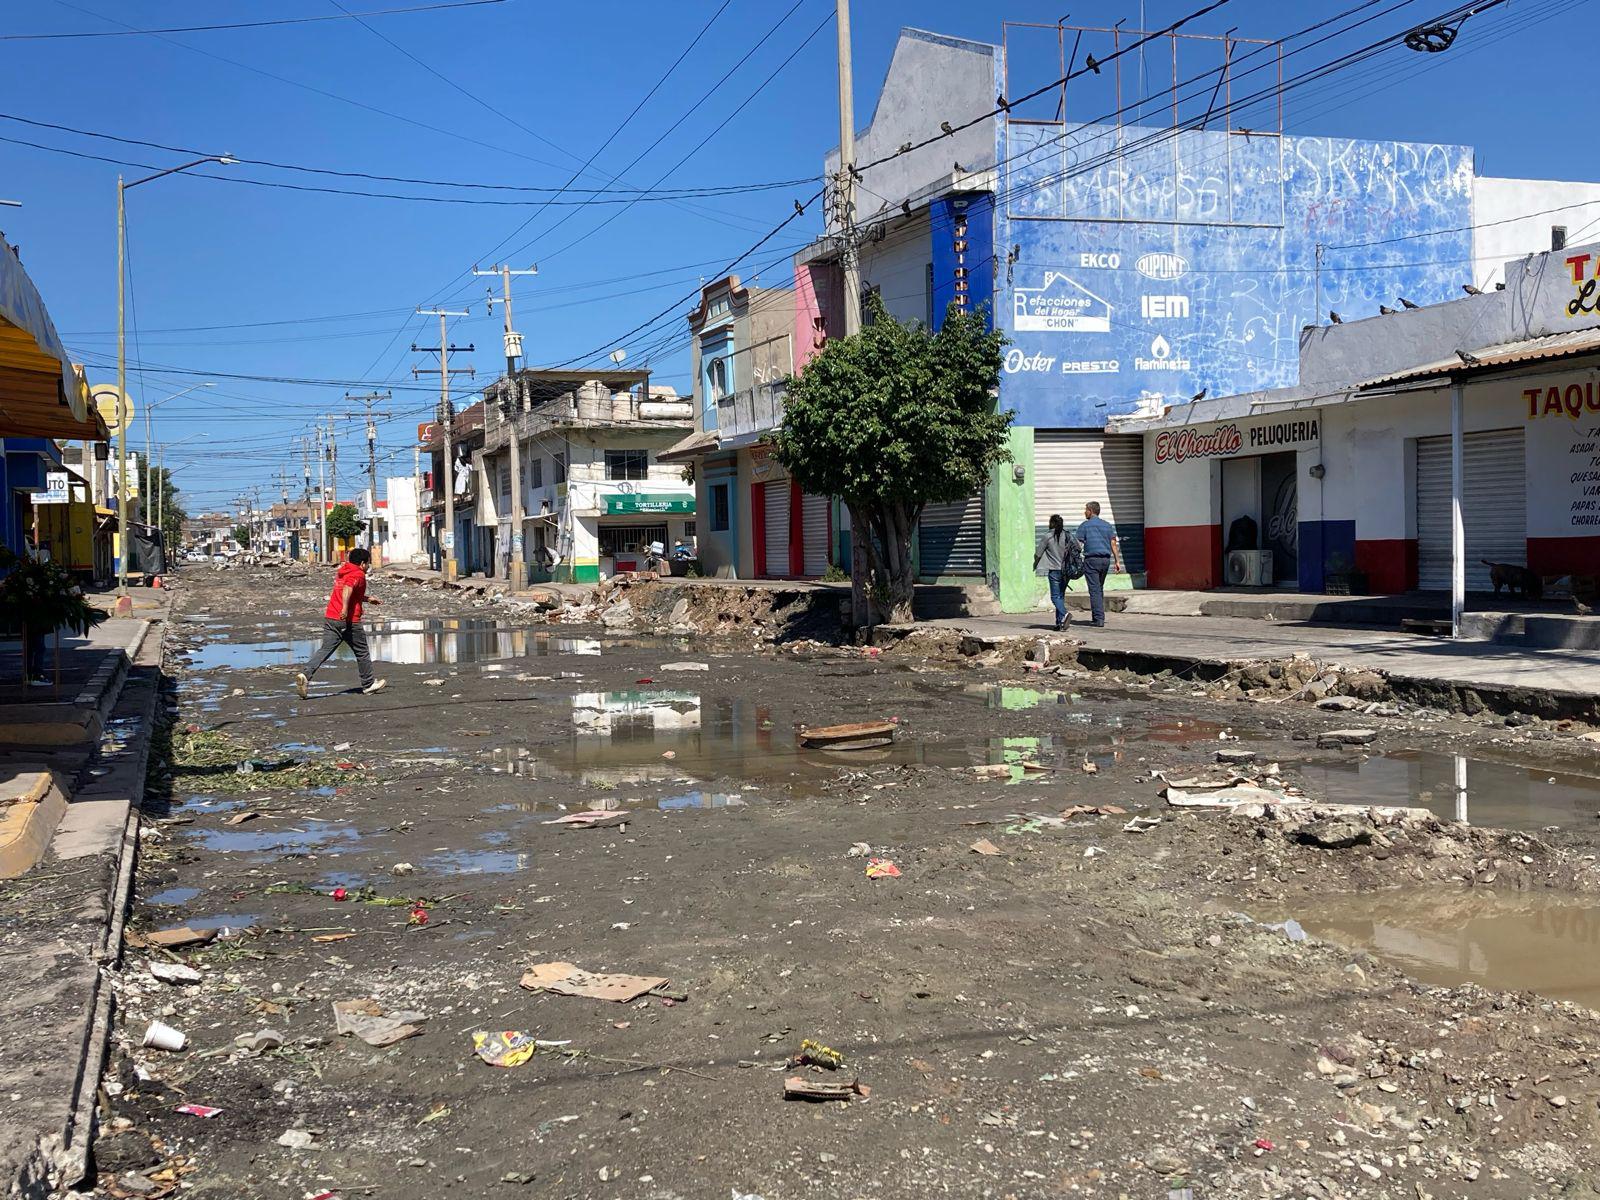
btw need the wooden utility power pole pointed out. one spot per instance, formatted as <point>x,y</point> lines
<point>513,346</point>
<point>447,540</point>
<point>850,262</point>
<point>369,400</point>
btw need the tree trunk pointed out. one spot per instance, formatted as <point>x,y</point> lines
<point>860,570</point>
<point>901,579</point>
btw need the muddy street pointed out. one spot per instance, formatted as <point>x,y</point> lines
<point>986,958</point>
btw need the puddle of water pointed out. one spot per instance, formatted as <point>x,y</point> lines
<point>435,640</point>
<point>273,841</point>
<point>1498,795</point>
<point>176,895</point>
<point>1542,942</point>
<point>477,862</point>
<point>300,748</point>
<point>704,800</point>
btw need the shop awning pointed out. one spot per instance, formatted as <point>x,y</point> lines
<point>1505,354</point>
<point>42,393</point>
<point>691,447</point>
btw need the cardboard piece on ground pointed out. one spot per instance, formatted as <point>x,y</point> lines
<point>564,979</point>
<point>1229,796</point>
<point>799,1087</point>
<point>368,1020</point>
<point>593,818</point>
<point>984,846</point>
<point>183,935</point>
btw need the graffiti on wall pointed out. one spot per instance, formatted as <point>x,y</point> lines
<point>1142,265</point>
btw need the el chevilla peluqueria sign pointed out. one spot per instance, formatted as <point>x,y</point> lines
<point>1238,438</point>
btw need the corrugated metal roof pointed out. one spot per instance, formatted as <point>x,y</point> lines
<point>1506,354</point>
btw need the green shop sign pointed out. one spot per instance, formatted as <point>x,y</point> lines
<point>645,502</point>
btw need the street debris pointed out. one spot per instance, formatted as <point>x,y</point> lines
<point>183,935</point>
<point>1331,738</point>
<point>799,1087</point>
<point>984,846</point>
<point>864,735</point>
<point>298,1139</point>
<point>882,868</point>
<point>509,1048</point>
<point>686,666</point>
<point>368,1020</point>
<point>259,1042</point>
<point>161,1036</point>
<point>402,868</point>
<point>239,818</point>
<point>595,818</point>
<point>171,972</point>
<point>815,1054</point>
<point>1092,810</point>
<point>858,850</point>
<point>564,979</point>
<point>1224,793</point>
<point>1141,824</point>
<point>198,1110</point>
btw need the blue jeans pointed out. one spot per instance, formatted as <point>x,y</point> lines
<point>1057,588</point>
<point>1095,569</point>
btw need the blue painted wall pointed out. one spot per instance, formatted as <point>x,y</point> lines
<point>1192,264</point>
<point>962,252</point>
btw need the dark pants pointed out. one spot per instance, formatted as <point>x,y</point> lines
<point>334,632</point>
<point>1095,569</point>
<point>1057,596</point>
<point>36,652</point>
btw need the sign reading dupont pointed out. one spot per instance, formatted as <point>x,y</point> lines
<point>1163,266</point>
<point>1060,305</point>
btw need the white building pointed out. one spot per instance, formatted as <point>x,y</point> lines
<point>403,520</point>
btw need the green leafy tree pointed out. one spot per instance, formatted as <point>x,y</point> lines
<point>343,522</point>
<point>890,420</point>
<point>170,509</point>
<point>241,536</point>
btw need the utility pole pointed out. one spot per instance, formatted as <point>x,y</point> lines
<point>447,540</point>
<point>322,499</point>
<point>369,400</point>
<point>513,344</point>
<point>850,258</point>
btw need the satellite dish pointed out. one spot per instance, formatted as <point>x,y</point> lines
<point>105,397</point>
<point>618,355</point>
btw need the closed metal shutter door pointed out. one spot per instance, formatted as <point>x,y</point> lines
<point>815,525</point>
<point>1493,506</point>
<point>1073,466</point>
<point>951,538</point>
<point>775,502</point>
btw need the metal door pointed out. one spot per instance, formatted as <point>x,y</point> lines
<point>951,538</point>
<point>775,505</point>
<point>1494,507</point>
<point>816,526</point>
<point>1073,466</point>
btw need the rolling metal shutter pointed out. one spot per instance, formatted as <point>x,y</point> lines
<point>815,526</point>
<point>1494,506</point>
<point>775,503</point>
<point>1073,466</point>
<point>951,538</point>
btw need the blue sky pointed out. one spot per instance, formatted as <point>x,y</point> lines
<point>294,285</point>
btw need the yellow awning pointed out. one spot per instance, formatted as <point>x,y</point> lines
<point>42,392</point>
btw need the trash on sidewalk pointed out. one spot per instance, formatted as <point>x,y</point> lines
<point>169,972</point>
<point>198,1110</point>
<point>863,735</point>
<point>594,818</point>
<point>984,846</point>
<point>815,1054</point>
<point>882,868</point>
<point>858,850</point>
<point>1225,793</point>
<point>259,1042</point>
<point>161,1036</point>
<point>509,1048</point>
<point>183,935</point>
<point>564,979</point>
<point>798,1087</point>
<point>375,1026</point>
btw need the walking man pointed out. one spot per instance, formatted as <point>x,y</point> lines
<point>1058,554</point>
<point>342,623</point>
<point>1101,554</point>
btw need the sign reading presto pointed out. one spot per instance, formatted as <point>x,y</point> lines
<point>648,502</point>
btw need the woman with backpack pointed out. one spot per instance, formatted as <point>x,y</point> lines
<point>1059,553</point>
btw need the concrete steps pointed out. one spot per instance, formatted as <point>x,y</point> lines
<point>939,601</point>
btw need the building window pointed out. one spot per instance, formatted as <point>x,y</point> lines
<point>1558,237</point>
<point>630,539</point>
<point>719,507</point>
<point>535,473</point>
<point>627,464</point>
<point>505,480</point>
<point>688,531</point>
<point>717,378</point>
<point>560,461</point>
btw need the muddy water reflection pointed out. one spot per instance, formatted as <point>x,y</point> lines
<point>1498,795</point>
<point>1512,941</point>
<point>415,642</point>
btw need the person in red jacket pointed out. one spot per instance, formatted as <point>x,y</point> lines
<point>341,623</point>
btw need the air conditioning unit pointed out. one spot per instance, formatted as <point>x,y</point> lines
<point>1242,568</point>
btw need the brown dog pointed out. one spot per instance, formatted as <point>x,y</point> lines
<point>1519,581</point>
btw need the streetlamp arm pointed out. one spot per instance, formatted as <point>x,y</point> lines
<point>224,159</point>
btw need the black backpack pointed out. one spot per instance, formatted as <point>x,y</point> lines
<point>1072,560</point>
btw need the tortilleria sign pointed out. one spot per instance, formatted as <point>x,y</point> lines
<point>647,502</point>
<point>1235,438</point>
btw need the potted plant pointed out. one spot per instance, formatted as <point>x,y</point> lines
<point>37,598</point>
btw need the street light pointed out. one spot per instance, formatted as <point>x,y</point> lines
<point>149,461</point>
<point>122,353</point>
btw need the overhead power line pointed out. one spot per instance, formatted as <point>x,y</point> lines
<point>105,33</point>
